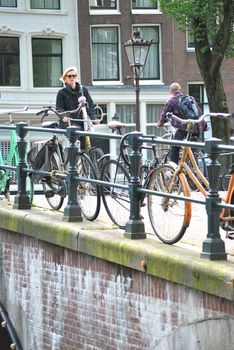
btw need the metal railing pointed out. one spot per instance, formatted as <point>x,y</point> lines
<point>213,247</point>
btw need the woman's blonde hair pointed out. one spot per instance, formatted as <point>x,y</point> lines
<point>63,77</point>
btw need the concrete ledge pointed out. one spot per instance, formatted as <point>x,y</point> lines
<point>175,264</point>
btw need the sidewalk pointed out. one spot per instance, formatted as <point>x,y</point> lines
<point>193,238</point>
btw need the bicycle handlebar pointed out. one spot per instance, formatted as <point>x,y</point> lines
<point>196,121</point>
<point>15,111</point>
<point>45,111</point>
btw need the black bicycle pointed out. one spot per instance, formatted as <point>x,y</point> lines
<point>116,170</point>
<point>50,156</point>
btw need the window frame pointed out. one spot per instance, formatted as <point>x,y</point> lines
<point>106,81</point>
<point>154,81</point>
<point>104,8</point>
<point>147,11</point>
<point>46,56</point>
<point>104,11</point>
<point>189,47</point>
<point>17,54</point>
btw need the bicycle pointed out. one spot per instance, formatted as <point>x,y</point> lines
<point>198,155</point>
<point>116,170</point>
<point>51,156</point>
<point>225,178</point>
<point>10,159</point>
<point>171,179</point>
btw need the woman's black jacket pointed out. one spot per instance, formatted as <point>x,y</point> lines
<point>67,100</point>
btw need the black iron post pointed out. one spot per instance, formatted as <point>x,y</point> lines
<point>213,247</point>
<point>72,212</point>
<point>135,228</point>
<point>137,90</point>
<point>22,199</point>
<point>137,50</point>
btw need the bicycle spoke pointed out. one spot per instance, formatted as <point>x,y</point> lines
<point>164,212</point>
<point>116,200</point>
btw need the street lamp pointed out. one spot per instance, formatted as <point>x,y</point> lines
<point>137,50</point>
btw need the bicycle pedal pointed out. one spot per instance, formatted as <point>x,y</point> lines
<point>49,194</point>
<point>62,191</point>
<point>230,235</point>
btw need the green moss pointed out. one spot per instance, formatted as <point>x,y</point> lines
<point>171,263</point>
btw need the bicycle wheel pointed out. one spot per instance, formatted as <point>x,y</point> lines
<point>88,194</point>
<point>95,154</point>
<point>53,187</point>
<point>169,217</point>
<point>54,192</point>
<point>31,190</point>
<point>226,178</point>
<point>116,200</point>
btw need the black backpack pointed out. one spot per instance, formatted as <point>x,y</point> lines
<point>187,107</point>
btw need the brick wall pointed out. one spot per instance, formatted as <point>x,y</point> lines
<point>59,299</point>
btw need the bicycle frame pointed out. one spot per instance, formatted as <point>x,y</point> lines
<point>185,169</point>
<point>183,166</point>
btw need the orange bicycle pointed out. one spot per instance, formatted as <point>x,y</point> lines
<point>170,216</point>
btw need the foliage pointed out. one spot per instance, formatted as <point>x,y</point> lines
<point>213,19</point>
<point>211,25</point>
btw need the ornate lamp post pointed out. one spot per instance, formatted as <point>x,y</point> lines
<point>137,51</point>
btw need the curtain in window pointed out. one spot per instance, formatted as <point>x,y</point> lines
<point>126,113</point>
<point>102,3</point>
<point>144,4</point>
<point>45,4</point>
<point>152,115</point>
<point>8,3</point>
<point>105,54</point>
<point>152,68</point>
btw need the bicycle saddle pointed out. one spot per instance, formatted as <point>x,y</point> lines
<point>50,124</point>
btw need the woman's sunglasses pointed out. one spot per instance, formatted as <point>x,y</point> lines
<point>71,75</point>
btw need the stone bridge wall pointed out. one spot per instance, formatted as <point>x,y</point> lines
<point>70,288</point>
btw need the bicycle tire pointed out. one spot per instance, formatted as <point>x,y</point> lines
<point>31,191</point>
<point>225,180</point>
<point>53,187</point>
<point>123,149</point>
<point>95,154</point>
<point>116,200</point>
<point>169,217</point>
<point>88,194</point>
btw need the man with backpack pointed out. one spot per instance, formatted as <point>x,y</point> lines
<point>183,106</point>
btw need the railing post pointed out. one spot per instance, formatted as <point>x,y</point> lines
<point>135,228</point>
<point>72,212</point>
<point>213,247</point>
<point>22,199</point>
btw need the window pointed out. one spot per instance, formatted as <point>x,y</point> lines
<point>144,4</point>
<point>198,91</point>
<point>152,66</point>
<point>152,117</point>
<point>45,4</point>
<point>103,4</point>
<point>105,53</point>
<point>9,61</point>
<point>190,41</point>
<point>47,62</point>
<point>8,3</point>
